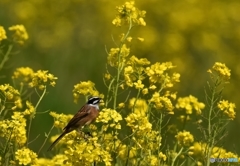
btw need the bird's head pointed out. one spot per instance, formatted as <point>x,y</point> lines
<point>94,101</point>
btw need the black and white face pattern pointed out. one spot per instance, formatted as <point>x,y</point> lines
<point>94,101</point>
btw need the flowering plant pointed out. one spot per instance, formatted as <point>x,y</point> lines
<point>133,131</point>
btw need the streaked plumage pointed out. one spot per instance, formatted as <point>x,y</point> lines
<point>86,115</point>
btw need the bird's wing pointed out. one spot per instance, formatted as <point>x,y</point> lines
<point>82,113</point>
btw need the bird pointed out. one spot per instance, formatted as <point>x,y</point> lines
<point>85,116</point>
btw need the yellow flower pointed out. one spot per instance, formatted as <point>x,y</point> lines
<point>128,76</point>
<point>139,107</point>
<point>134,61</point>
<point>145,91</point>
<point>87,152</point>
<point>121,105</point>
<point>117,56</point>
<point>117,21</point>
<point>86,88</point>
<point>162,156</point>
<point>153,160</point>
<point>124,150</point>
<point>162,102</point>
<point>20,34</point>
<point>140,39</point>
<point>60,120</point>
<point>129,39</point>
<point>190,103</point>
<point>138,123</point>
<point>184,118</point>
<point>157,73</point>
<point>17,103</point>
<point>14,129</point>
<point>222,71</point>
<point>184,138</point>
<point>111,117</point>
<point>25,156</point>
<point>197,149</point>
<point>107,76</point>
<point>30,109</point>
<point>152,87</point>
<point>128,12</point>
<point>59,160</point>
<point>10,96</point>
<point>138,84</point>
<point>42,78</point>
<point>227,108</point>
<point>23,76</point>
<point>2,33</point>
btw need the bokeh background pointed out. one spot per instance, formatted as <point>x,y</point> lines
<point>69,37</point>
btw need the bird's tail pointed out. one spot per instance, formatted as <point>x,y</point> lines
<point>57,140</point>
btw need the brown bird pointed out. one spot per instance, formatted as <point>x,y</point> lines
<point>86,115</point>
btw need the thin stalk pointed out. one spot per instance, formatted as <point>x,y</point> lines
<point>211,136</point>
<point>45,139</point>
<point>6,57</point>
<point>175,158</point>
<point>31,116</point>
<point>120,67</point>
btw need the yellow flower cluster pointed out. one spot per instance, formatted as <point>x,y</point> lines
<point>138,123</point>
<point>129,152</point>
<point>129,13</point>
<point>2,33</point>
<point>221,70</point>
<point>138,106</point>
<point>149,144</point>
<point>10,95</point>
<point>134,72</point>
<point>184,138</point>
<point>38,79</point>
<point>227,108</point>
<point>23,74</point>
<point>86,88</point>
<point>20,34</point>
<point>87,152</point>
<point>25,156</point>
<point>157,74</point>
<point>138,120</point>
<point>110,117</point>
<point>138,64</point>
<point>199,148</point>
<point>161,102</point>
<point>59,159</point>
<point>9,92</point>
<point>218,152</point>
<point>190,103</point>
<point>117,56</point>
<point>41,78</point>
<point>30,110</point>
<point>14,129</point>
<point>60,120</point>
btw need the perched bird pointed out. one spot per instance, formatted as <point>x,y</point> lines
<point>86,115</point>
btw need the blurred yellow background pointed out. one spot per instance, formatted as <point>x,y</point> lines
<point>69,37</point>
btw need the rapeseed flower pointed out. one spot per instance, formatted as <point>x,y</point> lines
<point>20,34</point>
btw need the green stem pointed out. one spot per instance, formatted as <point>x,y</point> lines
<point>211,134</point>
<point>120,66</point>
<point>6,57</point>
<point>31,116</point>
<point>45,139</point>
<point>174,159</point>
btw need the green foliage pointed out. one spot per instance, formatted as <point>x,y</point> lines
<point>149,127</point>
